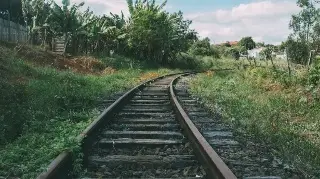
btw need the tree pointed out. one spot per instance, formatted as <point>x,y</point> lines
<point>297,51</point>
<point>282,46</point>
<point>221,49</point>
<point>227,44</point>
<point>65,19</point>
<point>260,44</point>
<point>267,53</point>
<point>203,48</point>
<point>247,43</point>
<point>150,33</point>
<point>156,35</point>
<point>305,26</point>
<point>303,22</point>
<point>235,53</point>
<point>35,14</point>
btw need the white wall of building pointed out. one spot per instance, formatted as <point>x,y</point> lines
<point>255,53</point>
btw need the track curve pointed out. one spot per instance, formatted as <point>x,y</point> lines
<point>138,136</point>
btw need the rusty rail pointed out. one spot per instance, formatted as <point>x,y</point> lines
<point>214,166</point>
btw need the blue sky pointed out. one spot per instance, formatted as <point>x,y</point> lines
<point>223,20</point>
<point>189,6</point>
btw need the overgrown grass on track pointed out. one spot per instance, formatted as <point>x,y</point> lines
<point>43,110</point>
<point>269,107</point>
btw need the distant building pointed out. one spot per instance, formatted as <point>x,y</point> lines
<point>255,53</point>
<point>282,56</point>
<point>279,55</point>
<point>232,43</point>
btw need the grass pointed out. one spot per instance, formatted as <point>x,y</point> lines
<point>226,62</point>
<point>272,108</point>
<point>43,108</point>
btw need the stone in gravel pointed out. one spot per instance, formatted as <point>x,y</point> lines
<point>157,151</point>
<point>186,171</point>
<point>107,173</point>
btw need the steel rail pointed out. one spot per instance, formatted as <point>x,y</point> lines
<point>214,165</point>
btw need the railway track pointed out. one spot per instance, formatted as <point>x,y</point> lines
<point>144,141</point>
<point>143,134</point>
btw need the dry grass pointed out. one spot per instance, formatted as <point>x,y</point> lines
<point>148,75</point>
<point>80,64</point>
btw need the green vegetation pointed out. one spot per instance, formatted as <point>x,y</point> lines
<point>149,34</point>
<point>44,109</point>
<point>270,106</point>
<point>203,48</point>
<point>47,100</point>
<point>247,43</point>
<point>304,40</point>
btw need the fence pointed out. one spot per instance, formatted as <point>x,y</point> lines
<point>12,32</point>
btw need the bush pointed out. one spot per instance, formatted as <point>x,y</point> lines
<point>234,53</point>
<point>314,75</point>
<point>184,61</point>
<point>203,48</point>
<point>298,51</point>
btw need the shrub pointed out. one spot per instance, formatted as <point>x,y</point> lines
<point>184,61</point>
<point>298,51</point>
<point>314,75</point>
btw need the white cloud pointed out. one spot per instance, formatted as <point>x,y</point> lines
<point>104,6</point>
<point>263,20</point>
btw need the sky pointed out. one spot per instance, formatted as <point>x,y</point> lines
<point>223,20</point>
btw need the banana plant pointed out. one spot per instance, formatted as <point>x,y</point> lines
<point>64,19</point>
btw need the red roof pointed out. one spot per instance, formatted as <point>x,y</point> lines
<point>231,43</point>
<point>234,43</point>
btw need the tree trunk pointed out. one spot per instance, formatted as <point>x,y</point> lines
<point>309,60</point>
<point>266,59</point>
<point>272,63</point>
<point>288,63</point>
<point>96,46</point>
<point>86,46</point>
